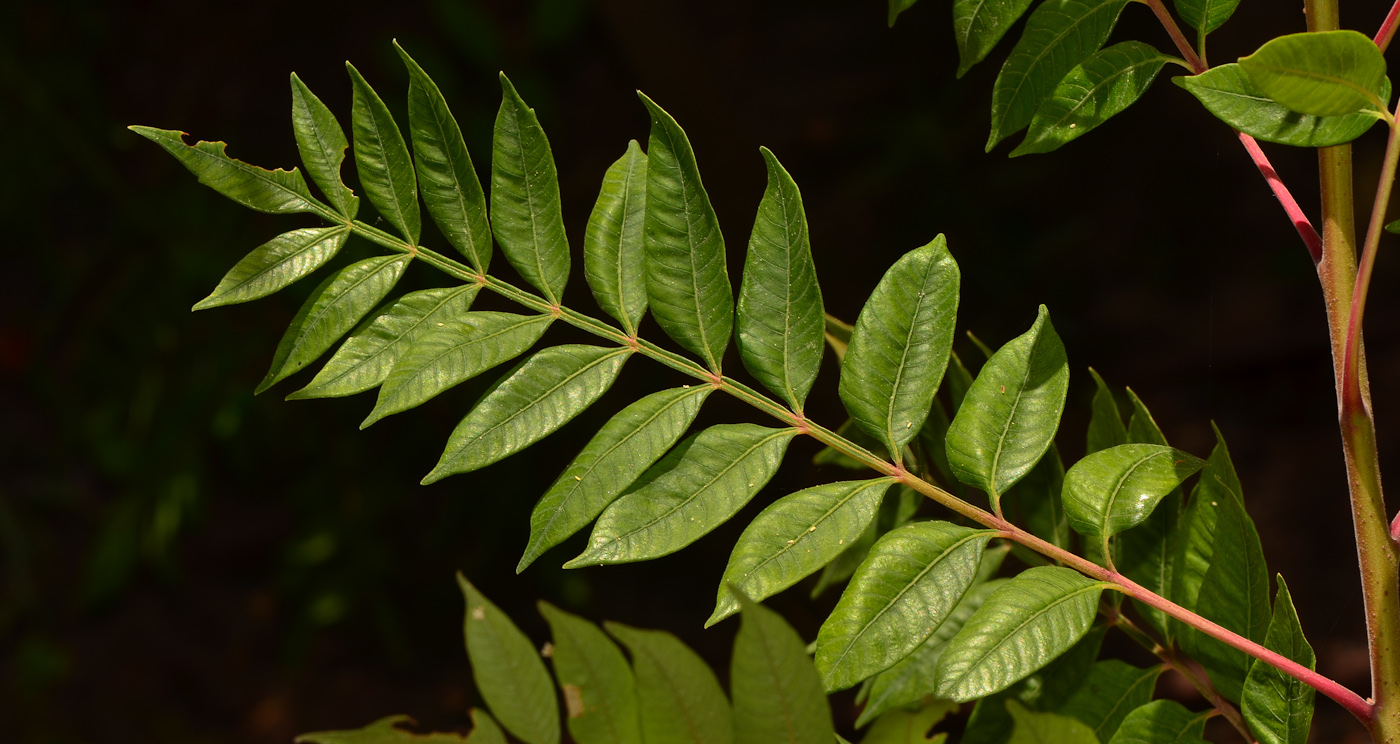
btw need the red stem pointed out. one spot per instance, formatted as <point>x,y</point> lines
<point>1387,30</point>
<point>1174,31</point>
<point>1305,229</point>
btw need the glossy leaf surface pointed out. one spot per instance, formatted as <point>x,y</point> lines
<point>693,490</point>
<point>778,697</point>
<point>333,308</point>
<point>545,393</point>
<point>1162,722</point>
<point>366,358</point>
<point>1106,427</point>
<point>1009,416</point>
<point>600,693</point>
<point>1036,617</point>
<point>1059,35</point>
<point>1279,708</point>
<point>1100,87</point>
<point>274,191</point>
<point>1116,489</point>
<point>1330,73</point>
<point>1227,92</point>
<point>382,161</point>
<point>794,537</point>
<point>679,697</point>
<point>451,191</point>
<point>276,264</point>
<point>322,144</point>
<point>508,671</point>
<point>900,345</point>
<point>1043,691</point>
<point>525,211</point>
<point>614,260</point>
<point>687,277</point>
<point>1106,696</point>
<point>1205,15</point>
<point>905,589</point>
<point>1039,728</point>
<point>454,353</point>
<point>780,322</point>
<point>625,447</point>
<point>978,25</point>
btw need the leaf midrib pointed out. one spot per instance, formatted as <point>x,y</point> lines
<point>320,235</point>
<point>529,184</point>
<point>1132,67</point>
<point>451,349</point>
<point>904,356</point>
<point>441,116</point>
<point>1118,489</point>
<point>1009,635</point>
<point>367,99</point>
<point>590,669</point>
<point>808,530</point>
<point>1011,416</point>
<point>680,177</point>
<point>1370,96</point>
<point>312,323</point>
<point>1045,49</point>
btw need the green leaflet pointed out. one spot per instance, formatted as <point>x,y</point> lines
<point>627,445</point>
<point>978,26</point>
<point>1145,553</point>
<point>366,358</point>
<point>540,396</point>
<point>1043,691</point>
<point>451,191</point>
<point>1227,92</point>
<point>897,7</point>
<point>778,696</point>
<point>1037,728</point>
<point>1108,694</point>
<point>276,191</point>
<point>838,335</point>
<point>1059,35</point>
<point>679,697</point>
<point>333,308</point>
<point>276,264</point>
<point>982,348</point>
<point>1279,708</point>
<point>1142,428</point>
<point>1101,86</point>
<point>902,726</point>
<point>795,536</point>
<point>780,317</point>
<point>508,671</point>
<point>696,488</point>
<point>959,381</point>
<point>1115,490</point>
<point>1393,227</point>
<point>1035,502</point>
<point>687,278</point>
<point>912,679</point>
<point>614,260</point>
<point>1205,15</point>
<point>525,211</point>
<point>600,693</point>
<point>894,512</point>
<point>900,345</point>
<point>387,731</point>
<point>933,436</point>
<point>1162,722</point>
<point>455,352</point>
<point>906,588</point>
<point>1106,427</point>
<point>1331,73</point>
<point>322,144</point>
<point>381,159</point>
<point>1010,414</point>
<point>1036,617</point>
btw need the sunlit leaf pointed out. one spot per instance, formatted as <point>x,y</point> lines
<point>1205,15</point>
<point>693,490</point>
<point>600,693</point>
<point>1116,489</point>
<point>547,391</point>
<point>1330,73</point>
<point>780,317</point>
<point>1279,708</point>
<point>1227,92</point>
<point>778,696</point>
<point>508,671</point>
<point>794,537</point>
<point>1038,728</point>
<point>625,447</point>
<point>1100,87</point>
<point>276,264</point>
<point>322,144</point>
<point>276,191</point>
<point>1162,722</point>
<point>978,25</point>
<point>1042,691</point>
<point>901,344</point>
<point>614,260</point>
<point>333,308</point>
<point>1110,691</point>
<point>525,211</point>
<point>382,161</point>
<point>679,697</point>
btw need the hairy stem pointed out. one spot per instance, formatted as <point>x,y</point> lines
<point>1387,29</point>
<point>1198,66</point>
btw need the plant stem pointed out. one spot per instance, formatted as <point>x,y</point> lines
<point>1387,30</point>
<point>1174,31</point>
<point>1300,221</point>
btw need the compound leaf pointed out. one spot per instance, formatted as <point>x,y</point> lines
<point>626,446</point>
<point>1205,15</point>
<point>600,693</point>
<point>1278,707</point>
<point>778,696</point>
<point>333,308</point>
<point>1035,728</point>
<point>455,352</point>
<point>1024,625</point>
<point>614,260</point>
<point>1106,696</point>
<point>543,394</point>
<point>696,488</point>
<point>1116,489</point>
<point>1227,92</point>
<point>907,586</point>
<point>365,359</point>
<point>382,160</point>
<point>322,144</point>
<point>451,191</point>
<point>508,671</point>
<point>1100,87</point>
<point>978,26</point>
<point>525,210</point>
<point>780,315</point>
<point>795,536</point>
<point>1009,415</point>
<point>1331,73</point>
<point>687,278</point>
<point>679,697</point>
<point>1162,722</point>
<point>273,191</point>
<point>276,264</point>
<point>900,346</point>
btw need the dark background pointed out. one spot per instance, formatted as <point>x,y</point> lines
<point>184,562</point>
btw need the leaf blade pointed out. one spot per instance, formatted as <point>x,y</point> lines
<point>614,259</point>
<point>679,697</point>
<point>508,671</point>
<point>382,160</point>
<point>1279,708</point>
<point>1330,73</point>
<point>778,696</point>
<point>322,144</point>
<point>1228,92</point>
<point>1116,489</point>
<point>1102,86</point>
<point>272,191</point>
<point>277,264</point>
<point>978,25</point>
<point>602,709</point>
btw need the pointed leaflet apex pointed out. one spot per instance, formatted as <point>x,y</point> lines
<point>322,144</point>
<point>777,694</point>
<point>273,191</point>
<point>614,261</point>
<point>508,672</point>
<point>525,210</point>
<point>382,160</point>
